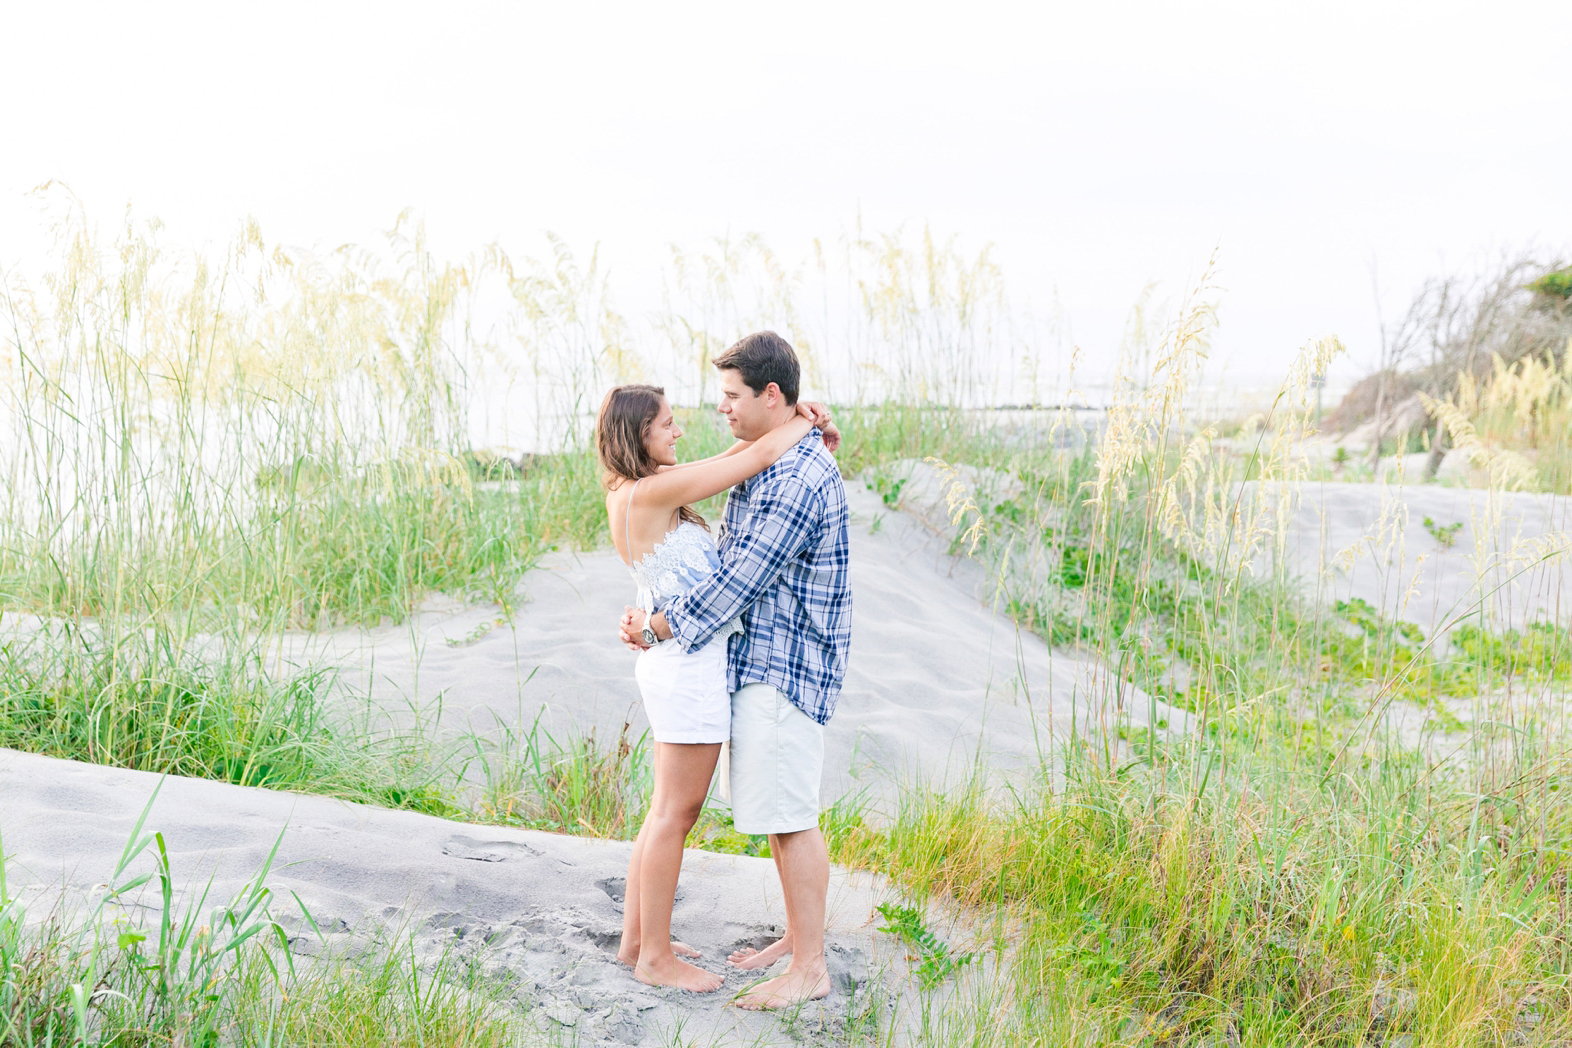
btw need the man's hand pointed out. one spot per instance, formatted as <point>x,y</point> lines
<point>631,629</point>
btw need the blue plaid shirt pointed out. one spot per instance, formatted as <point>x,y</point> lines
<point>785,566</point>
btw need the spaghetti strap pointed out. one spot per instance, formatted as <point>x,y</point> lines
<point>627,522</point>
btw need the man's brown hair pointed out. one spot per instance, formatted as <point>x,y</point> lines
<point>761,358</point>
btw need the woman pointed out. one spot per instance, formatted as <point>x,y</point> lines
<point>668,548</point>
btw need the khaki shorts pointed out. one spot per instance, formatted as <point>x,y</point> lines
<point>777,760</point>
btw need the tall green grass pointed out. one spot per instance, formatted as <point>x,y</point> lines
<point>139,702</point>
<point>1295,871</point>
<point>1271,909</point>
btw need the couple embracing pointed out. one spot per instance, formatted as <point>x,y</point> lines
<point>744,639</point>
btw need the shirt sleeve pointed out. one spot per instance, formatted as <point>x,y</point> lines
<point>782,518</point>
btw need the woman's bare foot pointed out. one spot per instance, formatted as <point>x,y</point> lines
<point>668,971</point>
<point>628,953</point>
<point>749,959</point>
<point>785,990</point>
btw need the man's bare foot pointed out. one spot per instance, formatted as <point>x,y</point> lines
<point>785,990</point>
<point>668,971</point>
<point>749,959</point>
<point>629,953</point>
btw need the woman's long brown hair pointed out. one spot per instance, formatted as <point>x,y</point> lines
<point>626,416</point>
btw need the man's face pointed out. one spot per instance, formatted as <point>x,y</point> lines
<point>746,412</point>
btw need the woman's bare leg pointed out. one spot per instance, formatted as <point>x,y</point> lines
<point>682,779</point>
<point>628,951</point>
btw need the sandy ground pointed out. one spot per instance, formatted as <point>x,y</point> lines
<point>935,681</point>
<point>542,912</point>
<point>1369,541</point>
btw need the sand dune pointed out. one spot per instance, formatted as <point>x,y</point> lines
<point>542,911</point>
<point>1369,541</point>
<point>936,680</point>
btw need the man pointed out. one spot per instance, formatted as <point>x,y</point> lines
<point>784,551</point>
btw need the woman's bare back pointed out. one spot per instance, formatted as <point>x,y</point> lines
<point>636,530</point>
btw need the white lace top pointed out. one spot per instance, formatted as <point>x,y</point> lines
<point>680,561</point>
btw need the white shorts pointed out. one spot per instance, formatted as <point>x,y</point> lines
<point>684,693</point>
<point>777,760</point>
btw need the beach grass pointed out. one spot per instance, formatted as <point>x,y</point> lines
<point>1278,906</point>
<point>192,474</point>
<point>178,973</point>
<point>1293,872</point>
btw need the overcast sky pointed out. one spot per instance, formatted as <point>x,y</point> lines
<point>1320,147</point>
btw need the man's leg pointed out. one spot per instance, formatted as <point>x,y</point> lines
<point>756,781</point>
<point>777,759</point>
<point>749,959</point>
<point>804,865</point>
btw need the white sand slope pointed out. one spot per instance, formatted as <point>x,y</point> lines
<point>540,911</point>
<point>1368,541</point>
<point>935,682</point>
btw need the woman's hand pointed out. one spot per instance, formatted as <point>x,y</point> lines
<point>631,628</point>
<point>819,415</point>
<point>814,412</point>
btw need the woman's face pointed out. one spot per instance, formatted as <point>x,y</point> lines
<point>660,440</point>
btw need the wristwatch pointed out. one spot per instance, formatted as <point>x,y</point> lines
<point>650,640</point>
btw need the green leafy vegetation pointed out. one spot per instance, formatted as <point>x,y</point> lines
<point>139,699</point>
<point>1555,284</point>
<point>1444,534</point>
<point>575,787</point>
<point>1231,912</point>
<point>935,961</point>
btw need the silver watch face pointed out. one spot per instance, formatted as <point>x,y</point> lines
<point>649,636</point>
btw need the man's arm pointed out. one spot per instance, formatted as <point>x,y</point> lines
<point>784,517</point>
